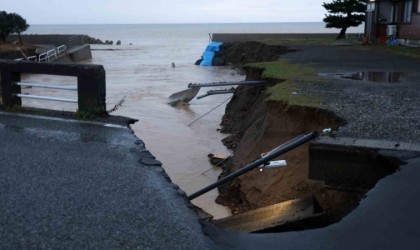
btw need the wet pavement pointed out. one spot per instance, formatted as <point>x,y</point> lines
<point>376,93</point>
<point>78,185</point>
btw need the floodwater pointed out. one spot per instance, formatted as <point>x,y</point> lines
<point>143,76</point>
<point>145,88</point>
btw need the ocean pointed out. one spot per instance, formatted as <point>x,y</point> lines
<point>141,74</point>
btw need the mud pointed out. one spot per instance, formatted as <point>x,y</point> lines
<point>264,126</point>
<point>256,126</point>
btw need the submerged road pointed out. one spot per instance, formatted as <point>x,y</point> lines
<point>78,185</point>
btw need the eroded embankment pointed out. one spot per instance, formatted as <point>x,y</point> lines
<point>11,52</point>
<point>239,53</point>
<point>256,125</point>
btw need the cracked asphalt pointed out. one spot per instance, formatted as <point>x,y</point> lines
<point>75,185</point>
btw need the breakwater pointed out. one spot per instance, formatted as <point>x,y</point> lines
<point>244,37</point>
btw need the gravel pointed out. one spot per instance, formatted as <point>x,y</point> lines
<point>373,110</point>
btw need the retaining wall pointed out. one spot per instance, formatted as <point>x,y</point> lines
<point>243,37</point>
<point>52,39</point>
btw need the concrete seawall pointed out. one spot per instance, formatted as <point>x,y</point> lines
<point>56,40</point>
<point>243,37</point>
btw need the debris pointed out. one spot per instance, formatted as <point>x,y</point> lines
<point>326,130</point>
<point>273,218</point>
<point>216,159</point>
<point>274,164</point>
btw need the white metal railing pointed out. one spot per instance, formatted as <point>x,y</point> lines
<point>32,58</point>
<point>48,98</point>
<point>42,57</point>
<point>46,86</point>
<point>61,49</point>
<point>51,54</point>
<point>47,56</point>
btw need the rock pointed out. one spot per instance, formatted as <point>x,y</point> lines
<point>118,42</point>
<point>198,62</point>
<point>218,61</point>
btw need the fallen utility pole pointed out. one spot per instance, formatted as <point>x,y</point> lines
<point>284,148</point>
<point>193,88</point>
<point>217,92</point>
<point>217,84</point>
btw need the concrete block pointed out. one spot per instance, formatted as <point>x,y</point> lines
<point>80,53</point>
<point>271,217</point>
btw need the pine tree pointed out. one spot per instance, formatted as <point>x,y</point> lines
<point>11,23</point>
<point>19,25</point>
<point>344,14</point>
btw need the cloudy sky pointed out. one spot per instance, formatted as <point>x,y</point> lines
<point>164,11</point>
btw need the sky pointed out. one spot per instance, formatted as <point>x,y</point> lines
<point>164,11</point>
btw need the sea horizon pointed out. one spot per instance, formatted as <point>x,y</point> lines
<point>45,24</point>
<point>251,27</point>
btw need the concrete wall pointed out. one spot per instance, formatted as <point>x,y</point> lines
<point>52,39</point>
<point>80,53</point>
<point>91,82</point>
<point>242,37</point>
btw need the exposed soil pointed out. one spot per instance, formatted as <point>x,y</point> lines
<point>9,51</point>
<point>247,52</point>
<point>256,126</point>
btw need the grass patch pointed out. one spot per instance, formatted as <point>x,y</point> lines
<point>283,70</point>
<point>310,41</point>
<point>292,82</point>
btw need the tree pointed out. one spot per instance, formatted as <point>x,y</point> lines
<point>11,23</point>
<point>6,26</point>
<point>344,14</point>
<point>19,25</point>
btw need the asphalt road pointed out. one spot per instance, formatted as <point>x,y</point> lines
<point>372,107</point>
<point>73,185</point>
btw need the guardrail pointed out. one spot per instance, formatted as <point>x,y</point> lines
<point>47,56</point>
<point>91,89</point>
<point>46,86</point>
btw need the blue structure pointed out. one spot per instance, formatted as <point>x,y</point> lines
<point>209,53</point>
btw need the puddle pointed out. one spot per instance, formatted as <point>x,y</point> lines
<point>371,76</point>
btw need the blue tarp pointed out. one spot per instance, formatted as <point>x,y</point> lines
<point>208,54</point>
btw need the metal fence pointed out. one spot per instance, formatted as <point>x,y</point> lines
<point>50,55</point>
<point>91,89</point>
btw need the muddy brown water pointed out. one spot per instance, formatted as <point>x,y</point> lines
<point>145,89</point>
